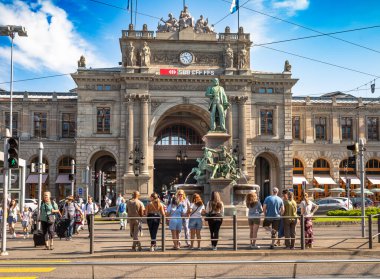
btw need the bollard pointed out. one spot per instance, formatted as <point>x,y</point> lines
<point>370,232</point>
<point>163,220</point>
<point>378,228</point>
<point>234,227</point>
<point>302,232</point>
<point>92,218</point>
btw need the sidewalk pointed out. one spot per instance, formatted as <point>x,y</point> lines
<point>111,242</point>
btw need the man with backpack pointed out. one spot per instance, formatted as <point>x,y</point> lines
<point>135,209</point>
<point>90,208</point>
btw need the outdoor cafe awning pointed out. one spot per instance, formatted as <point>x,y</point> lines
<point>297,180</point>
<point>33,178</point>
<point>63,179</point>
<point>374,179</point>
<point>353,178</point>
<point>324,180</point>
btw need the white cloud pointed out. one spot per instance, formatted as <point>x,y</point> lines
<point>52,43</point>
<point>292,6</point>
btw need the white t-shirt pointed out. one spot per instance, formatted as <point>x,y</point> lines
<point>25,216</point>
<point>196,212</point>
<point>308,208</point>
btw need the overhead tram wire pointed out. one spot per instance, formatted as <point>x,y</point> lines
<point>124,9</point>
<point>307,28</point>
<point>322,62</point>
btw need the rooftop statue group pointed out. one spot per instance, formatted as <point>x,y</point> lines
<point>185,21</point>
<point>144,53</point>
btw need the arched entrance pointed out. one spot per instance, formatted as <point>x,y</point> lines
<point>178,143</point>
<point>103,162</point>
<point>266,173</point>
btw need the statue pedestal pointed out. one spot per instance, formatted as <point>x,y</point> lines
<point>136,183</point>
<point>224,187</point>
<point>244,72</point>
<point>229,71</point>
<point>213,139</point>
<point>144,70</point>
<point>130,70</point>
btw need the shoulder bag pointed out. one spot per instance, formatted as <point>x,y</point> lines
<point>50,217</point>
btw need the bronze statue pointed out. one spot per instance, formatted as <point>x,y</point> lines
<point>218,105</point>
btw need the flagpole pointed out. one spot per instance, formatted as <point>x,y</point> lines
<point>135,13</point>
<point>238,10</point>
<point>131,11</point>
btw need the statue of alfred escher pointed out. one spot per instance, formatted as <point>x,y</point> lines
<point>218,105</point>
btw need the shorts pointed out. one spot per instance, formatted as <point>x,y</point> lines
<point>175,224</point>
<point>11,220</point>
<point>275,223</point>
<point>24,224</point>
<point>254,221</point>
<point>195,223</point>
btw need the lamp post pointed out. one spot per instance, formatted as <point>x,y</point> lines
<point>181,158</point>
<point>9,30</point>
<point>72,178</point>
<point>40,162</point>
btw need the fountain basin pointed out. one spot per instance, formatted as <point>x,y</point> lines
<point>190,189</point>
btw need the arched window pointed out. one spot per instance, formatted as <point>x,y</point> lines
<point>297,166</point>
<point>178,135</point>
<point>372,167</point>
<point>321,166</point>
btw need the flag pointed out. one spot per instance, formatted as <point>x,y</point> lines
<point>234,6</point>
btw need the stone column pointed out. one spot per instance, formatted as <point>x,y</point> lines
<point>144,131</point>
<point>335,129</point>
<point>242,130</point>
<point>231,100</point>
<point>129,151</point>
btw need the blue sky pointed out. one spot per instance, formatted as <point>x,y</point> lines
<point>61,30</point>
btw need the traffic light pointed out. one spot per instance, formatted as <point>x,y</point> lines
<point>13,153</point>
<point>354,148</point>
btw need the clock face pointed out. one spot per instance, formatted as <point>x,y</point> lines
<point>186,58</point>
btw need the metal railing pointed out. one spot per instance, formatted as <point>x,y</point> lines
<point>234,240</point>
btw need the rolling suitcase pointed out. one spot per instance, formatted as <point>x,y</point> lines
<point>38,238</point>
<point>61,228</point>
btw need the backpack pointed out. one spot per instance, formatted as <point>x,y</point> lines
<point>122,208</point>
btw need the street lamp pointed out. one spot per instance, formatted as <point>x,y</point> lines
<point>9,30</point>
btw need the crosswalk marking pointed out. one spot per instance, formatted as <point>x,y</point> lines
<point>34,277</point>
<point>26,269</point>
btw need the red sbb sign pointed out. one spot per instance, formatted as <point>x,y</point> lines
<point>169,72</point>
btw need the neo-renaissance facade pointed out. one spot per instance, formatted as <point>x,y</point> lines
<point>142,123</point>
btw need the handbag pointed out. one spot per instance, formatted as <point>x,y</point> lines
<point>50,217</point>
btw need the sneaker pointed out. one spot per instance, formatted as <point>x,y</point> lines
<point>27,235</point>
<point>121,227</point>
<point>199,248</point>
<point>14,235</point>
<point>151,249</point>
<point>292,248</point>
<point>24,236</point>
<point>214,248</point>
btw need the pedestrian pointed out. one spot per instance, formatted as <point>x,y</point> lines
<point>47,216</point>
<point>254,212</point>
<point>118,200</point>
<point>175,211</point>
<point>273,208</point>
<point>106,202</point>
<point>154,210</point>
<point>215,213</point>
<point>290,221</point>
<point>182,199</point>
<point>69,209</point>
<point>308,208</point>
<point>196,210</point>
<point>79,218</point>
<point>13,213</point>
<point>121,210</point>
<point>90,208</point>
<point>281,231</point>
<point>135,210</point>
<point>26,216</point>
